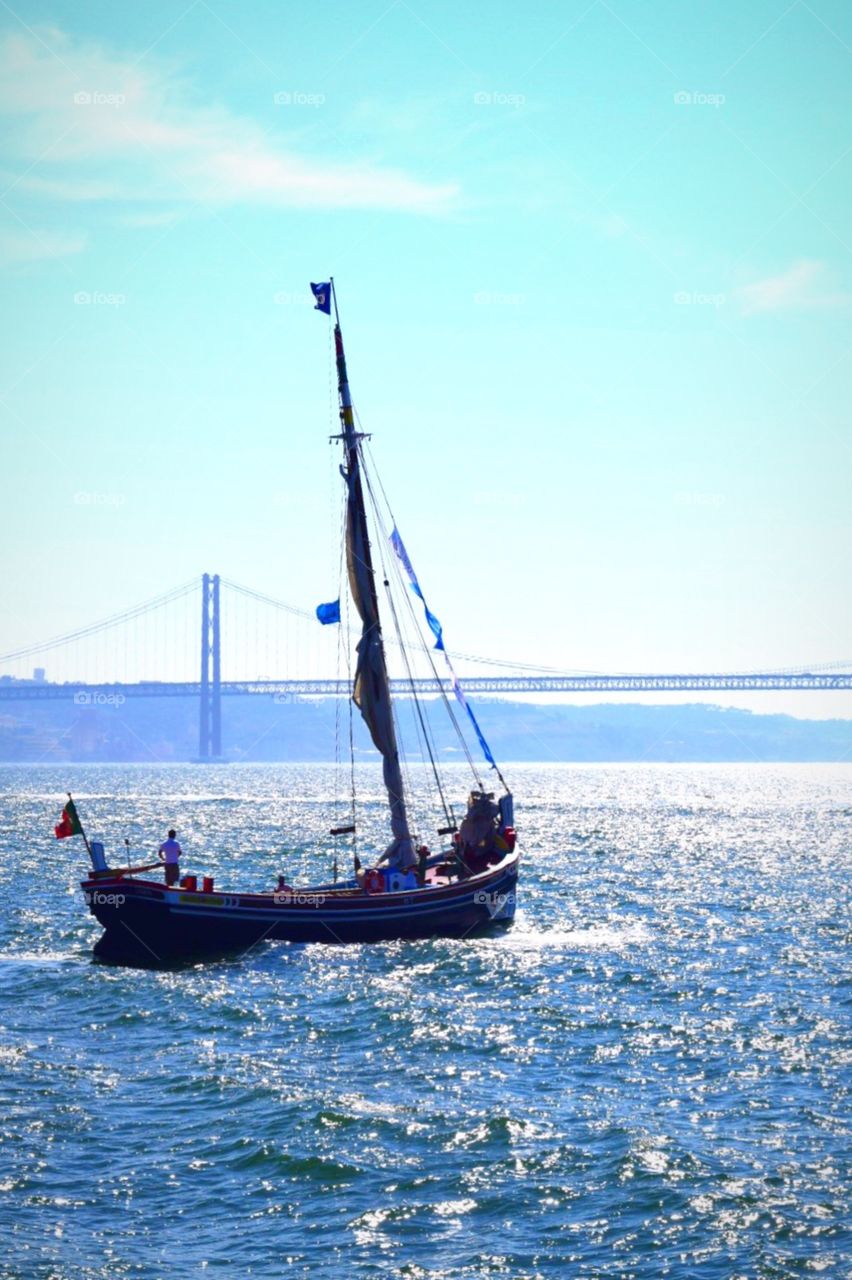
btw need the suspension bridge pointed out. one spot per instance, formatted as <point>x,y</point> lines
<point>117,658</point>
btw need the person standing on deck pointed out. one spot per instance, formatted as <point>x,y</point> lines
<point>170,852</point>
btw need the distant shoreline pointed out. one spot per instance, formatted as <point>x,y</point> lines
<point>262,731</point>
<point>505,764</point>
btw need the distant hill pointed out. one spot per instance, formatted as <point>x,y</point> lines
<point>260,729</point>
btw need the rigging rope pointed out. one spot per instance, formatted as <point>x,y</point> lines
<point>426,647</point>
<point>426,737</point>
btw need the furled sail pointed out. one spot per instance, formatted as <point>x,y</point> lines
<point>371,691</point>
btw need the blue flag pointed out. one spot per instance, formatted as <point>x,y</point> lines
<point>322,293</point>
<point>328,613</point>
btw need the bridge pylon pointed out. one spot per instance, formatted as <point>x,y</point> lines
<point>210,710</point>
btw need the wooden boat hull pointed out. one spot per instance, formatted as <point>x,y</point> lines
<point>146,923</point>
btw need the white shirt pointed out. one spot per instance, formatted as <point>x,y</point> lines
<point>172,850</point>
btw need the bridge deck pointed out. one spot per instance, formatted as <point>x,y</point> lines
<point>92,694</point>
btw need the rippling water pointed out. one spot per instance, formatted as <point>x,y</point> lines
<point>642,1078</point>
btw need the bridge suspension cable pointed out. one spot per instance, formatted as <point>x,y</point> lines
<point>311,617</point>
<point>531,667</point>
<point>530,670</point>
<point>116,619</point>
<point>262,599</point>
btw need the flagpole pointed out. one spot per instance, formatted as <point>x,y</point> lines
<point>82,832</point>
<point>334,300</point>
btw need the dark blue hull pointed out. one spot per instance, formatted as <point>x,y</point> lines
<point>147,924</point>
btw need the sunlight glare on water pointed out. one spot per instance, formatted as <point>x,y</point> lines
<point>642,1077</point>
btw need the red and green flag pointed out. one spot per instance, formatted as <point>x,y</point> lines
<point>69,824</point>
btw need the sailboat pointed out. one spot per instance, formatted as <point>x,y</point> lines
<point>403,891</point>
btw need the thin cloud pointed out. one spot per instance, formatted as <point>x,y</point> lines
<point>74,190</point>
<point>92,126</point>
<point>20,248</point>
<point>164,218</point>
<point>802,286</point>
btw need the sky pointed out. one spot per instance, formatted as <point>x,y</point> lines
<point>594,261</point>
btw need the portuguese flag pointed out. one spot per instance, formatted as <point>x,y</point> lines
<point>69,825</point>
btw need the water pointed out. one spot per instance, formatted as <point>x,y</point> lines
<point>642,1078</point>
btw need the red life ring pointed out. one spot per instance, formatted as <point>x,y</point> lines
<point>374,881</point>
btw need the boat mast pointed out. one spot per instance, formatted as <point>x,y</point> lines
<point>353,464</point>
<point>371,693</point>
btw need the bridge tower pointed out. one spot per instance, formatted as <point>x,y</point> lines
<point>210,719</point>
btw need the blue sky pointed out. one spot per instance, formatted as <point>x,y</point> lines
<point>595,267</point>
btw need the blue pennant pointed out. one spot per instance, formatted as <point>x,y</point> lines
<point>402,555</point>
<point>435,627</point>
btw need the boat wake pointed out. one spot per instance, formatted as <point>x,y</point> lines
<point>43,958</point>
<point>525,935</point>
